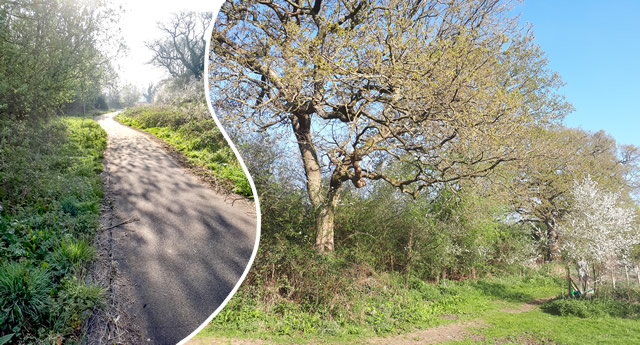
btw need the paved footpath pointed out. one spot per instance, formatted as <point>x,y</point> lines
<point>190,244</point>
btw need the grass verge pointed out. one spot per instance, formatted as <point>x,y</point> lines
<point>195,136</point>
<point>50,198</point>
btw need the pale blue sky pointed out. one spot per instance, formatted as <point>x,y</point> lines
<point>595,47</point>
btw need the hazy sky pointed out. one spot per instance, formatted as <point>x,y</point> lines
<point>138,24</point>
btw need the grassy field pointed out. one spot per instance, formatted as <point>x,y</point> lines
<point>196,137</point>
<point>50,198</point>
<point>539,327</point>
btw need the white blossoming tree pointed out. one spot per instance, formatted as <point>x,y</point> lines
<point>598,231</point>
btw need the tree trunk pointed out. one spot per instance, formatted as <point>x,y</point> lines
<point>595,278</point>
<point>613,278</point>
<point>407,268</point>
<point>552,241</point>
<point>569,285</point>
<point>324,204</point>
<point>638,273</point>
<point>626,273</point>
<point>325,224</point>
<point>391,261</point>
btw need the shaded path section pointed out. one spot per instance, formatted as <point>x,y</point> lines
<point>189,245</point>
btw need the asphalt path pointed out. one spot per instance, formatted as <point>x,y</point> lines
<point>188,246</point>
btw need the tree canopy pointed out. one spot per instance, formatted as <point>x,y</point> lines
<point>539,188</point>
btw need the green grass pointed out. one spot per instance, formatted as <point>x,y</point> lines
<point>377,306</point>
<point>539,327</point>
<point>50,196</point>
<point>196,137</point>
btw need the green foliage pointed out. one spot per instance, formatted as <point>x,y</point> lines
<point>195,135</point>
<point>71,255</point>
<point>620,305</point>
<point>52,53</point>
<point>24,295</point>
<point>372,284</point>
<point>73,300</point>
<point>50,195</point>
<point>443,235</point>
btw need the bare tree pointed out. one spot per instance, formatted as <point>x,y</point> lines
<point>414,93</point>
<point>148,95</point>
<point>181,52</point>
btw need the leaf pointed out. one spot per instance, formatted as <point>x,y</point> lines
<point>5,339</point>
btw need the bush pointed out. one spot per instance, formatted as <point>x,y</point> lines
<point>74,299</point>
<point>592,307</point>
<point>71,255</point>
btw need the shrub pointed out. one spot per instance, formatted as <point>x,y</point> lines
<point>592,307</point>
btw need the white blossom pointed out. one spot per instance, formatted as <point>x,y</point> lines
<point>598,229</point>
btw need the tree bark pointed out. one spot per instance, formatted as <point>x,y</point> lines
<point>325,221</point>
<point>626,273</point>
<point>569,285</point>
<point>613,278</point>
<point>552,241</point>
<point>324,204</point>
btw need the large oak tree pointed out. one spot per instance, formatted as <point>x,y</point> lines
<point>443,90</point>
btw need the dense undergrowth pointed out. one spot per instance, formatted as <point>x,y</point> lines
<point>194,135</point>
<point>50,196</point>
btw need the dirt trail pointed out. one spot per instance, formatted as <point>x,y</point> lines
<point>527,306</point>
<point>186,245</point>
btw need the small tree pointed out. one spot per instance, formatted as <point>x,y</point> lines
<point>598,230</point>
